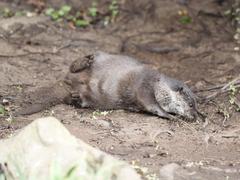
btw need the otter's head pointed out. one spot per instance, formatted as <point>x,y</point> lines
<point>175,98</point>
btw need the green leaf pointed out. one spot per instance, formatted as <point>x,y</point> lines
<point>113,7</point>
<point>81,23</point>
<point>61,13</point>
<point>55,16</point>
<point>49,11</point>
<point>66,9</point>
<point>114,13</point>
<point>93,9</point>
<point>2,110</point>
<point>7,13</point>
<point>185,19</point>
<point>231,100</point>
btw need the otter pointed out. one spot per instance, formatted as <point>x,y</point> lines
<point>107,81</point>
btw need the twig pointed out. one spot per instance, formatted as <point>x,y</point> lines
<point>202,55</point>
<point>157,49</point>
<point>231,134</point>
<point>158,132</point>
<point>225,87</point>
<point>215,87</point>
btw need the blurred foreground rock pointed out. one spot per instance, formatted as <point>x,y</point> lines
<point>174,171</point>
<point>46,150</point>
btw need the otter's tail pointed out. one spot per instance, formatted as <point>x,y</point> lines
<point>43,98</point>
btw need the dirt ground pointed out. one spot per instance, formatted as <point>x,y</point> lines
<point>36,51</point>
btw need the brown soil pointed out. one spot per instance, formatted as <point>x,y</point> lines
<point>36,52</point>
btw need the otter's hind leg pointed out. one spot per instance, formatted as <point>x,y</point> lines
<point>81,63</point>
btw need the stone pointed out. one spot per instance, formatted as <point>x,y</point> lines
<point>45,149</point>
<point>167,172</point>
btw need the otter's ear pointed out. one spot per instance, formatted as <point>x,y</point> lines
<point>178,88</point>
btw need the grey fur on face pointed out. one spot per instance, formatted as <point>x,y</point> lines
<point>175,97</point>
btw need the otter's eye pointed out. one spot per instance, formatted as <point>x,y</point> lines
<point>180,89</point>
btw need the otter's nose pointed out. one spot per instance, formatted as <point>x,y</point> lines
<point>192,115</point>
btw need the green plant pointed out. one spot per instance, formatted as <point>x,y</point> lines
<point>100,113</point>
<point>224,112</point>
<point>93,9</point>
<point>6,12</point>
<point>113,7</point>
<point>81,22</point>
<point>64,13</point>
<point>90,16</point>
<point>3,111</point>
<point>232,96</point>
<point>184,17</point>
<point>58,14</point>
<point>234,14</point>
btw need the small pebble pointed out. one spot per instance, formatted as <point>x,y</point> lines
<point>236,49</point>
<point>5,102</point>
